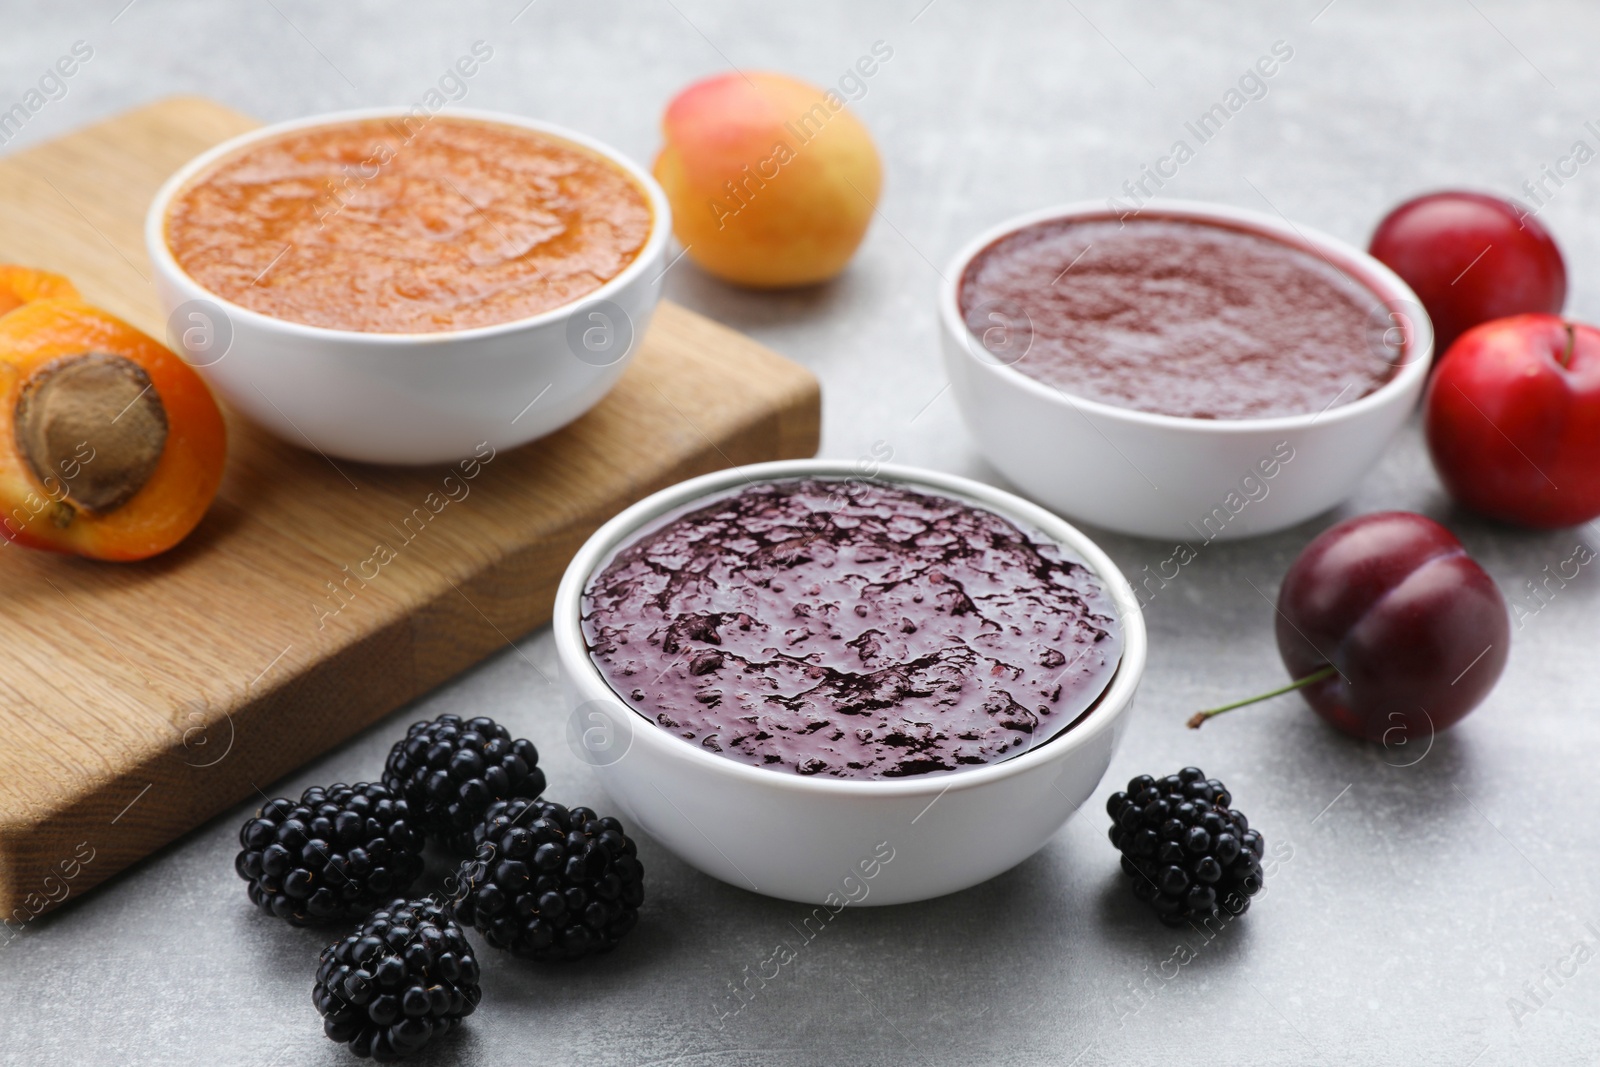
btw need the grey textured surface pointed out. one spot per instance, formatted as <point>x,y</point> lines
<point>1418,900</point>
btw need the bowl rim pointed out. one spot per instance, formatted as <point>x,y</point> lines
<point>162,258</point>
<point>1102,715</point>
<point>1385,285</point>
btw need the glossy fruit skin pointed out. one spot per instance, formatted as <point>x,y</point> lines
<point>405,976</point>
<point>1417,629</point>
<point>1512,420</point>
<point>450,770</point>
<point>550,883</point>
<point>332,856</point>
<point>1191,857</point>
<point>1471,258</point>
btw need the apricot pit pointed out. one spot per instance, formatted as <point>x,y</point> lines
<point>98,416</point>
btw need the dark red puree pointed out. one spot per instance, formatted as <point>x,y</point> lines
<point>851,629</point>
<point>1183,318</point>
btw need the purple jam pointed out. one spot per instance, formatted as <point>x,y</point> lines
<point>1185,318</point>
<point>851,629</point>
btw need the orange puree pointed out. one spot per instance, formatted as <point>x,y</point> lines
<point>383,228</point>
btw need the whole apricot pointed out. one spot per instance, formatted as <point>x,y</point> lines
<point>772,180</point>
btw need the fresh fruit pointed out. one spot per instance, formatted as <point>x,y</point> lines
<point>549,883</point>
<point>1389,628</point>
<point>1190,856</point>
<point>404,977</point>
<point>110,445</point>
<point>1512,419</point>
<point>331,857</point>
<point>1471,258</point>
<point>23,285</point>
<point>450,770</point>
<point>772,181</point>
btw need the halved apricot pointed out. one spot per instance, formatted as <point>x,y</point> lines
<point>110,445</point>
<point>23,285</point>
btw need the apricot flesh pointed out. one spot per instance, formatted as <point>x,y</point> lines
<point>772,181</point>
<point>22,285</point>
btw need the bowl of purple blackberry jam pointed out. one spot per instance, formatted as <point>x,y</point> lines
<point>842,689</point>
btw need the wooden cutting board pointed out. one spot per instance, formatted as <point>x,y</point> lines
<point>137,700</point>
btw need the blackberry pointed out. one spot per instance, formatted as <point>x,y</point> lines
<point>548,883</point>
<point>450,770</point>
<point>1190,856</point>
<point>404,977</point>
<point>332,856</point>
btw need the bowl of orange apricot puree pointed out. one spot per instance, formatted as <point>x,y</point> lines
<point>399,287</point>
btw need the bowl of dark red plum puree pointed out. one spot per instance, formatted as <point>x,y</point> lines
<point>1189,371</point>
<point>831,686</point>
<point>397,286</point>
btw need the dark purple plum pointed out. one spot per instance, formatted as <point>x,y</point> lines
<point>1389,628</point>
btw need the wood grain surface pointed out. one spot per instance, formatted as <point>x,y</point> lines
<point>137,700</point>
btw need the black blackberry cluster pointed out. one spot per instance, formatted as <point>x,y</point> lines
<point>550,883</point>
<point>1188,853</point>
<point>547,883</point>
<point>333,856</point>
<point>404,977</point>
<point>451,769</point>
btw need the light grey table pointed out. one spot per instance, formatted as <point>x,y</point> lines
<point>1420,901</point>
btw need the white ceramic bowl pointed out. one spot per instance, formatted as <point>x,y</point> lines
<point>1193,480</point>
<point>825,840</point>
<point>410,398</point>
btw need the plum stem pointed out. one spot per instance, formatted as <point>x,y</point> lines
<point>1566,352</point>
<point>1198,719</point>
